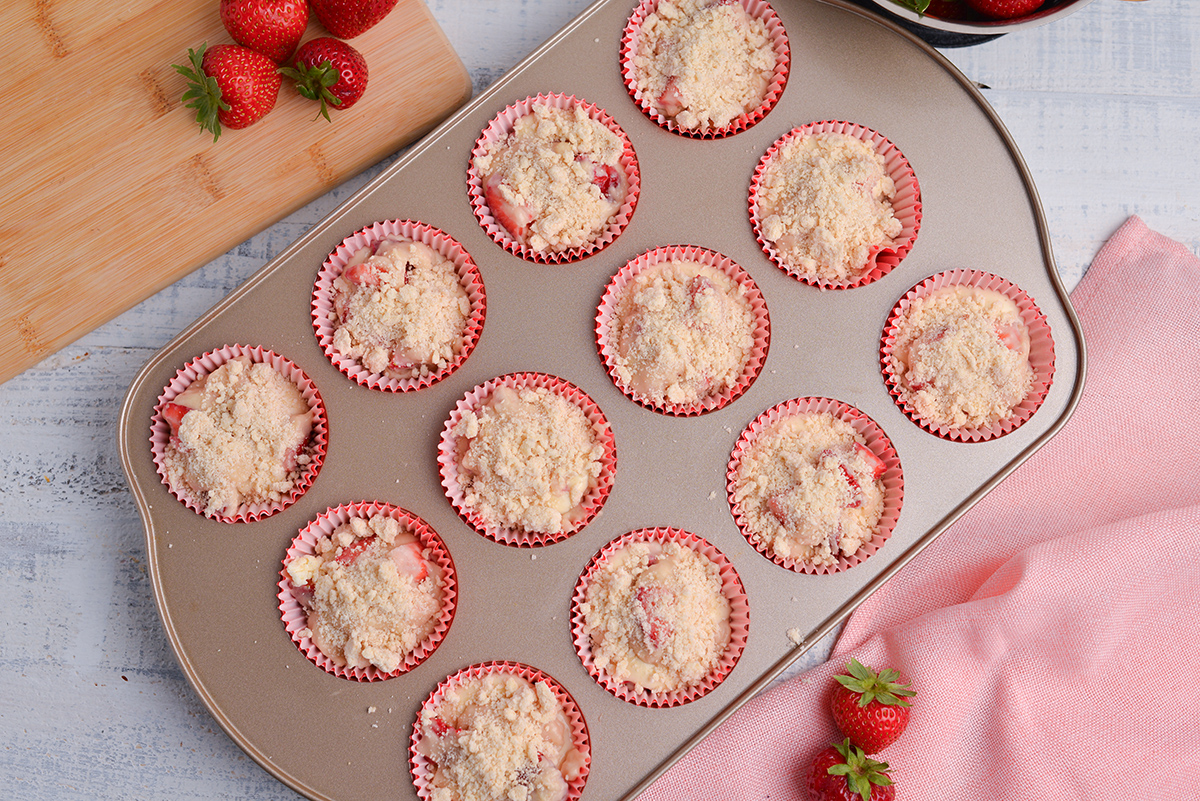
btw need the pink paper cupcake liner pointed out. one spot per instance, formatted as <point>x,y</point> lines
<point>500,127</point>
<point>906,205</point>
<point>160,430</point>
<point>422,768</point>
<point>1041,353</point>
<point>593,500</point>
<point>876,440</point>
<point>758,309</point>
<point>731,587</point>
<point>757,9</point>
<point>295,617</point>
<point>369,237</point>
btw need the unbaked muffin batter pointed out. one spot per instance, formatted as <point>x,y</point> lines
<point>961,355</point>
<point>824,201</point>
<point>809,488</point>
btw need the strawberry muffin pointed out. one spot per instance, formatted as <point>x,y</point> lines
<point>523,458</point>
<point>239,435</point>
<point>808,489</point>
<point>656,616</point>
<point>680,332</point>
<point>399,307</point>
<point>702,64</point>
<point>557,180</point>
<point>499,735</point>
<point>371,592</point>
<point>960,356</point>
<point>824,206</point>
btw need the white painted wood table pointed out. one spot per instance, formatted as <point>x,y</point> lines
<point>1104,106</point>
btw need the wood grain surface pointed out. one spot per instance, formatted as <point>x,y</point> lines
<point>111,190</point>
<point>1104,106</point>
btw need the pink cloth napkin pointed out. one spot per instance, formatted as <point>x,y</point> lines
<point>1051,633</point>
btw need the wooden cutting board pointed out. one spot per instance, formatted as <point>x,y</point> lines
<point>109,191</point>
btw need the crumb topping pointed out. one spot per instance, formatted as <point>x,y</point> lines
<point>527,458</point>
<point>499,738</point>
<point>656,616</point>
<point>825,204</point>
<point>962,356</point>
<point>703,63</point>
<point>556,181</point>
<point>809,488</point>
<point>400,309</point>
<point>238,436</point>
<point>683,332</point>
<point>371,592</point>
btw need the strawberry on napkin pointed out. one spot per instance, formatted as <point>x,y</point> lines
<point>1050,633</point>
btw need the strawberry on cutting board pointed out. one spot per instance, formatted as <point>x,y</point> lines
<point>272,27</point>
<point>346,19</point>
<point>842,772</point>
<point>329,71</point>
<point>229,85</point>
<point>870,708</point>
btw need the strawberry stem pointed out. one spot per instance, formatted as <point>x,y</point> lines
<point>861,772</point>
<point>314,82</point>
<point>884,687</point>
<point>203,93</point>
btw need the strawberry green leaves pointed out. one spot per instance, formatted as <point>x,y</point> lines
<point>884,686</point>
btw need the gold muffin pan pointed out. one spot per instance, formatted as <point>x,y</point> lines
<point>215,583</point>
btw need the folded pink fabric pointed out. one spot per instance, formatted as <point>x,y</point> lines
<point>1050,633</point>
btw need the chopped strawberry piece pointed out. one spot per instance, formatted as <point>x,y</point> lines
<point>291,459</point>
<point>410,561</point>
<point>834,539</point>
<point>670,102</point>
<point>173,413</point>
<point>607,177</point>
<point>349,553</point>
<point>1010,335</point>
<point>515,219</point>
<point>657,630</point>
<point>303,595</point>
<point>877,466</point>
<point>364,273</point>
<point>697,287</point>
<point>441,728</point>
<point>776,504</point>
<point>855,488</point>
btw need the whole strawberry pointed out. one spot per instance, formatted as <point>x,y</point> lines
<point>330,71</point>
<point>272,27</point>
<point>349,18</point>
<point>869,707</point>
<point>229,85</point>
<point>842,772</point>
<point>1005,9</point>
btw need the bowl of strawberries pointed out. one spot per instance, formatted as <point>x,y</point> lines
<point>950,23</point>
